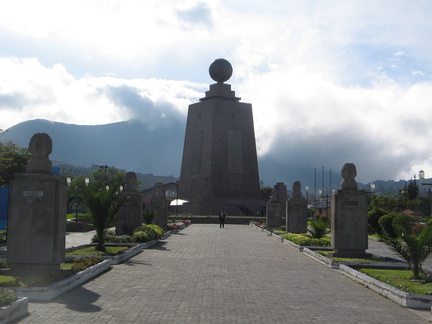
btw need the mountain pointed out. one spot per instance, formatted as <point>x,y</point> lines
<point>157,150</point>
<point>129,145</point>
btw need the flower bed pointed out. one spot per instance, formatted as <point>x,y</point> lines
<point>133,249</point>
<point>58,288</point>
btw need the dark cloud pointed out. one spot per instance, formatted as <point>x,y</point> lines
<point>153,114</point>
<point>18,101</point>
<point>295,158</point>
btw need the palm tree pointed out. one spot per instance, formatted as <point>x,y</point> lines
<point>103,205</point>
<point>413,241</point>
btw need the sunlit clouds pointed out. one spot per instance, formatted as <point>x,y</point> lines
<point>330,82</point>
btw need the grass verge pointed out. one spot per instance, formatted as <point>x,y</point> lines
<point>91,250</point>
<point>400,279</point>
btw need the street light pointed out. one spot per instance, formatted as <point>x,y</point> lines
<point>372,187</point>
<point>68,181</point>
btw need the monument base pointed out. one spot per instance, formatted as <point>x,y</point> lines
<point>33,268</point>
<point>232,207</point>
<point>349,253</point>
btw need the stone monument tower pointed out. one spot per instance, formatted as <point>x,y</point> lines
<point>219,167</point>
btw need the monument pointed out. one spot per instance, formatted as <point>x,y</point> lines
<point>219,167</point>
<point>130,214</point>
<point>297,213</point>
<point>349,221</point>
<point>159,203</point>
<point>276,206</point>
<point>37,213</point>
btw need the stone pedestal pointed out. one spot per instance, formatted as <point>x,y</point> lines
<point>160,204</point>
<point>349,223</point>
<point>274,214</point>
<point>296,219</point>
<point>130,214</point>
<point>276,207</point>
<point>37,223</point>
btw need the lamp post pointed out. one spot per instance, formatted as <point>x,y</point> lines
<point>372,187</point>
<point>177,186</point>
<point>422,177</point>
<point>69,181</point>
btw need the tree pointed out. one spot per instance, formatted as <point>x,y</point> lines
<point>412,189</point>
<point>266,192</point>
<point>102,199</point>
<point>387,203</point>
<point>103,205</point>
<point>13,159</point>
<point>374,216</point>
<point>413,241</point>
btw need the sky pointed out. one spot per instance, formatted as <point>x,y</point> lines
<point>330,82</point>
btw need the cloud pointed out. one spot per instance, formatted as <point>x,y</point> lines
<point>199,15</point>
<point>307,120</point>
<point>329,82</point>
<point>29,90</point>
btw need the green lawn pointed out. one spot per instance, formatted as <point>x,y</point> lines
<point>326,253</point>
<point>91,250</point>
<point>6,279</point>
<point>401,279</point>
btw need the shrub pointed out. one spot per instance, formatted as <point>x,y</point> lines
<point>306,240</point>
<point>7,296</point>
<point>149,216</point>
<point>283,228</point>
<point>386,223</point>
<point>323,218</point>
<point>318,228</point>
<point>157,230</point>
<point>143,236</point>
<point>111,237</point>
<point>374,216</point>
<point>413,241</point>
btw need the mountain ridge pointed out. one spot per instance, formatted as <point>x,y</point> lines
<point>146,149</point>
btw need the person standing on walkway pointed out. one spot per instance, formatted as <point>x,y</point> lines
<point>222,219</point>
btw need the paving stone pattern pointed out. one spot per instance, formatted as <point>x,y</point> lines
<point>204,274</point>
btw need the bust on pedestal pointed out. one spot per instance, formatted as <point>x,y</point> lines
<point>37,214</point>
<point>159,203</point>
<point>130,214</point>
<point>296,219</point>
<point>276,206</point>
<point>349,220</point>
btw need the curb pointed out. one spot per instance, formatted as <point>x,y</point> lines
<point>14,310</point>
<point>58,288</point>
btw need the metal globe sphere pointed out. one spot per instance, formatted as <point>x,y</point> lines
<point>220,70</point>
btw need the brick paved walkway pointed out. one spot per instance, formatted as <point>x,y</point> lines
<point>204,274</point>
